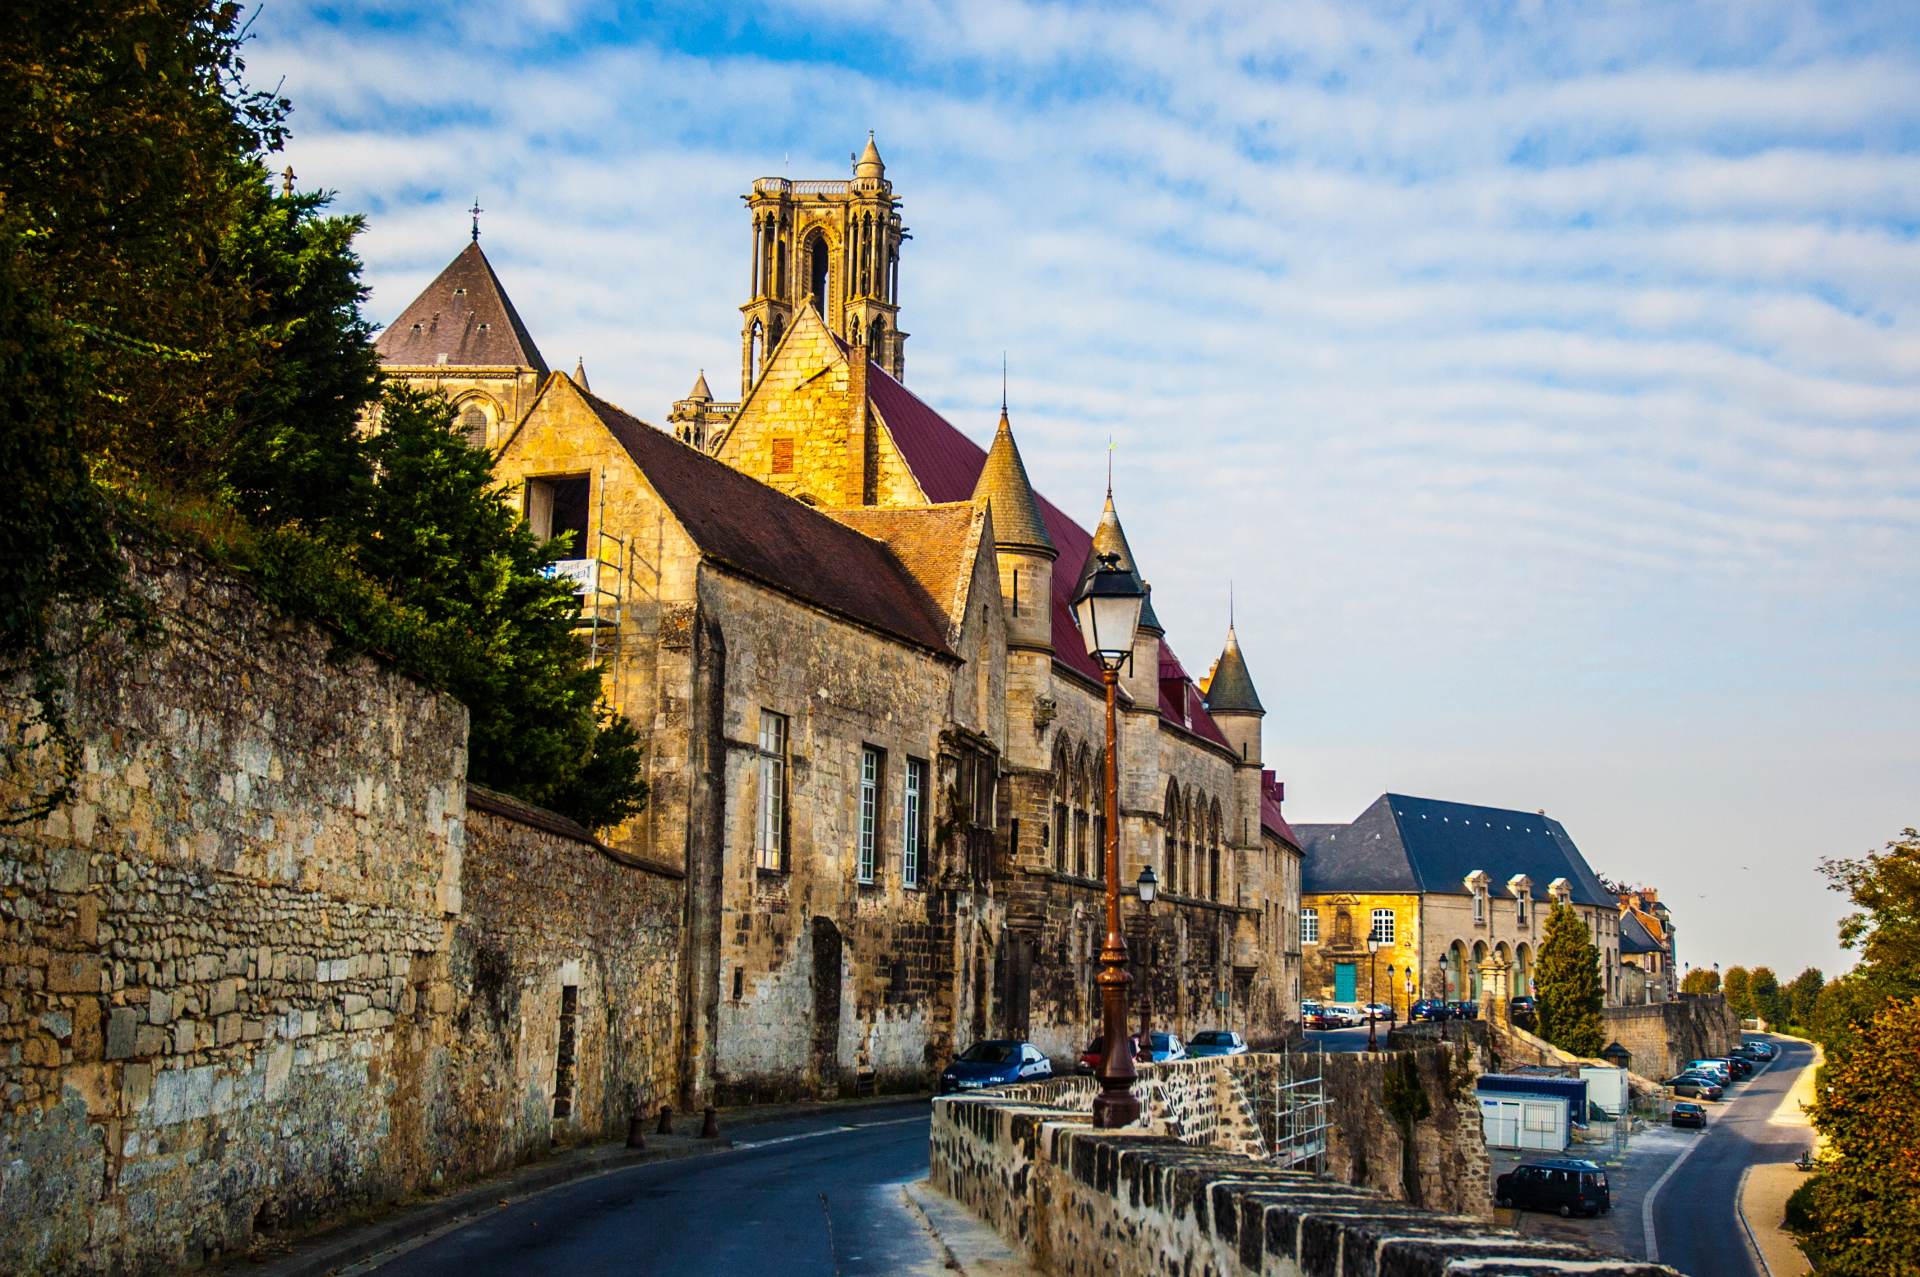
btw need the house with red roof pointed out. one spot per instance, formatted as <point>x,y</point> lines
<point>843,629</point>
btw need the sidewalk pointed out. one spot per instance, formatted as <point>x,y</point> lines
<point>348,1242</point>
<point>1765,1187</point>
<point>969,1246</point>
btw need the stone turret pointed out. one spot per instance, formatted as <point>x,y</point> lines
<point>1140,677</point>
<point>1023,549</point>
<point>1234,704</point>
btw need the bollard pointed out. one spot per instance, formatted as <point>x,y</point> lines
<point>666,1120</point>
<point>710,1124</point>
<point>636,1131</point>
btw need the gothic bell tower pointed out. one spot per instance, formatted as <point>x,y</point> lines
<point>834,245</point>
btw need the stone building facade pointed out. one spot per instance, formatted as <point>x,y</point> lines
<point>1647,945</point>
<point>829,588</point>
<point>1457,893</point>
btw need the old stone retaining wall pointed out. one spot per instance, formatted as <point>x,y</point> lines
<point>1663,1036</point>
<point>264,967</point>
<point>1081,1203</point>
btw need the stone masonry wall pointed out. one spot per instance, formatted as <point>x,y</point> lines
<point>1084,1202</point>
<point>266,966</point>
<point>1663,1036</point>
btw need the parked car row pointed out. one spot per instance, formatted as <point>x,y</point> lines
<point>1439,1009</point>
<point>1344,1015</point>
<point>1003,1061</point>
<point>1708,1079</point>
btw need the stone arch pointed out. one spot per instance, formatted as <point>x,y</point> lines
<point>1456,971</point>
<point>477,412</point>
<point>756,352</point>
<point>877,337</point>
<point>1523,970</point>
<point>1170,836</point>
<point>1479,956</point>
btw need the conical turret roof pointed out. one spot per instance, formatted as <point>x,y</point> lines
<point>580,372</point>
<point>462,319</point>
<point>1004,487</point>
<point>869,164</point>
<point>1110,538</point>
<point>1230,690</point>
<point>700,390</point>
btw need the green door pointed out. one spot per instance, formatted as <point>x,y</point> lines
<point>1346,981</point>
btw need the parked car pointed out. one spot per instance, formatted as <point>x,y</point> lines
<point>1212,1042</point>
<point>1522,1012</point>
<point>1315,1019</point>
<point>1570,1187</point>
<point>1696,1086</point>
<point>1428,1009</point>
<point>1381,1011</point>
<point>1766,1050</point>
<point>1720,1070</point>
<point>1687,1113</point>
<point>994,1062</point>
<point>1168,1046</point>
<point>1741,1065</point>
<point>1090,1058</point>
<point>1310,1006</point>
<point>1464,1010</point>
<point>1346,1015</point>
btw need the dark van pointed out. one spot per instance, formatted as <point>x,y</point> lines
<point>1570,1187</point>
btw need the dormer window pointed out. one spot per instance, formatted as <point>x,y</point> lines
<point>1476,883</point>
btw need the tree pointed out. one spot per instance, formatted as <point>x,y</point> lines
<point>438,534</point>
<point>1885,925</point>
<point>1802,995</point>
<point>1738,986</point>
<point>1866,1201</point>
<point>1567,992</point>
<point>1768,1003</point>
<point>1700,980</point>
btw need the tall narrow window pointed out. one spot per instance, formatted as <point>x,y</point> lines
<point>1309,926</point>
<point>913,831</point>
<point>563,1057</point>
<point>1479,906</point>
<point>869,812</point>
<point>1060,836</point>
<point>770,829</point>
<point>1382,932</point>
<point>1520,908</point>
<point>1213,873</point>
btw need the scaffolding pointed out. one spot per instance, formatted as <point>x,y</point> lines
<point>1299,1125</point>
<point>600,580</point>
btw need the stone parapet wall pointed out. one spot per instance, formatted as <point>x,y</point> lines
<point>1081,1202</point>
<point>1663,1036</point>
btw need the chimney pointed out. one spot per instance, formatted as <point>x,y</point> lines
<point>860,442</point>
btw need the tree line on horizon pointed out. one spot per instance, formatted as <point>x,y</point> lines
<point>183,357</point>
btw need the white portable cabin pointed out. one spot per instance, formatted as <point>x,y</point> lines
<point>1606,1087</point>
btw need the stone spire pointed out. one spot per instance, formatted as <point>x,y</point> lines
<point>580,372</point>
<point>1003,485</point>
<point>869,164</point>
<point>1230,688</point>
<point>1110,538</point>
<point>700,390</point>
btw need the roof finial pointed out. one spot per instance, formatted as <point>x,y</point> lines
<point>286,181</point>
<point>476,210</point>
<point>1111,445</point>
<point>1229,605</point>
<point>1003,383</point>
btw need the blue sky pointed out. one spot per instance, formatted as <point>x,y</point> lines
<point>1545,378</point>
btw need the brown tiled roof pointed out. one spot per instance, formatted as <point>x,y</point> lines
<point>784,544</point>
<point>937,543</point>
<point>1003,484</point>
<point>465,316</point>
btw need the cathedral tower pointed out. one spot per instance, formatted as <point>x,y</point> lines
<point>834,245</point>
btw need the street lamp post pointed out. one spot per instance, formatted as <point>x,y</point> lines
<point>1148,885</point>
<point>1373,987</point>
<point>1108,610</point>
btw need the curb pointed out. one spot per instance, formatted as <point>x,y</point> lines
<point>1746,1226</point>
<point>344,1245</point>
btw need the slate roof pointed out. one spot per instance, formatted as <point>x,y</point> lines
<point>947,465</point>
<point>1003,484</point>
<point>1230,686</point>
<point>782,543</point>
<point>464,315</point>
<point>1634,936</point>
<point>1402,843</point>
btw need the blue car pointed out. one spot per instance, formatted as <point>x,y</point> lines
<point>1168,1046</point>
<point>995,1062</point>
<point>1211,1042</point>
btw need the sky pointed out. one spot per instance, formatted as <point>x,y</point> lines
<point>1542,380</point>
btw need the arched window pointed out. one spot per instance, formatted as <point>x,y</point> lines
<point>473,422</point>
<point>1062,791</point>
<point>754,352</point>
<point>877,338</point>
<point>817,264</point>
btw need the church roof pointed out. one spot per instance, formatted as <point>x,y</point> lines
<point>1401,843</point>
<point>784,544</point>
<point>1231,686</point>
<point>1003,485</point>
<point>1110,538</point>
<point>947,466</point>
<point>937,543</point>
<point>462,319</point>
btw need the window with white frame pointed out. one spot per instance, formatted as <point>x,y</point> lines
<point>770,824</point>
<point>1309,926</point>
<point>913,829</point>
<point>1479,906</point>
<point>870,768</point>
<point>1382,932</point>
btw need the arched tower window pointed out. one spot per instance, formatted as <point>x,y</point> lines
<point>773,337</point>
<point>754,338</point>
<point>474,423</point>
<point>817,263</point>
<point>877,338</point>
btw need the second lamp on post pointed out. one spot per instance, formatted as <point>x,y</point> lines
<point>1148,885</point>
<point>1108,610</point>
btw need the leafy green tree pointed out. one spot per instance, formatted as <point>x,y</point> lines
<point>1567,989</point>
<point>1885,924</point>
<point>439,535</point>
<point>1738,986</point>
<point>1802,995</point>
<point>1700,980</point>
<point>1768,1002</point>
<point>1866,1199</point>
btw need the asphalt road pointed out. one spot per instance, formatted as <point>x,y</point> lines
<point>1349,1039</point>
<point>814,1195</point>
<point>1695,1226</point>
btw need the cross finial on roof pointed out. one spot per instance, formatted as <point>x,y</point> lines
<point>1003,383</point>
<point>1229,605</point>
<point>476,210</point>
<point>1111,445</point>
<point>286,181</point>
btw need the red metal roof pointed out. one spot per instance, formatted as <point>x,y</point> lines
<point>1272,792</point>
<point>947,465</point>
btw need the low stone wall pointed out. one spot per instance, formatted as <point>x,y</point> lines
<point>1663,1036</point>
<point>1083,1203</point>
